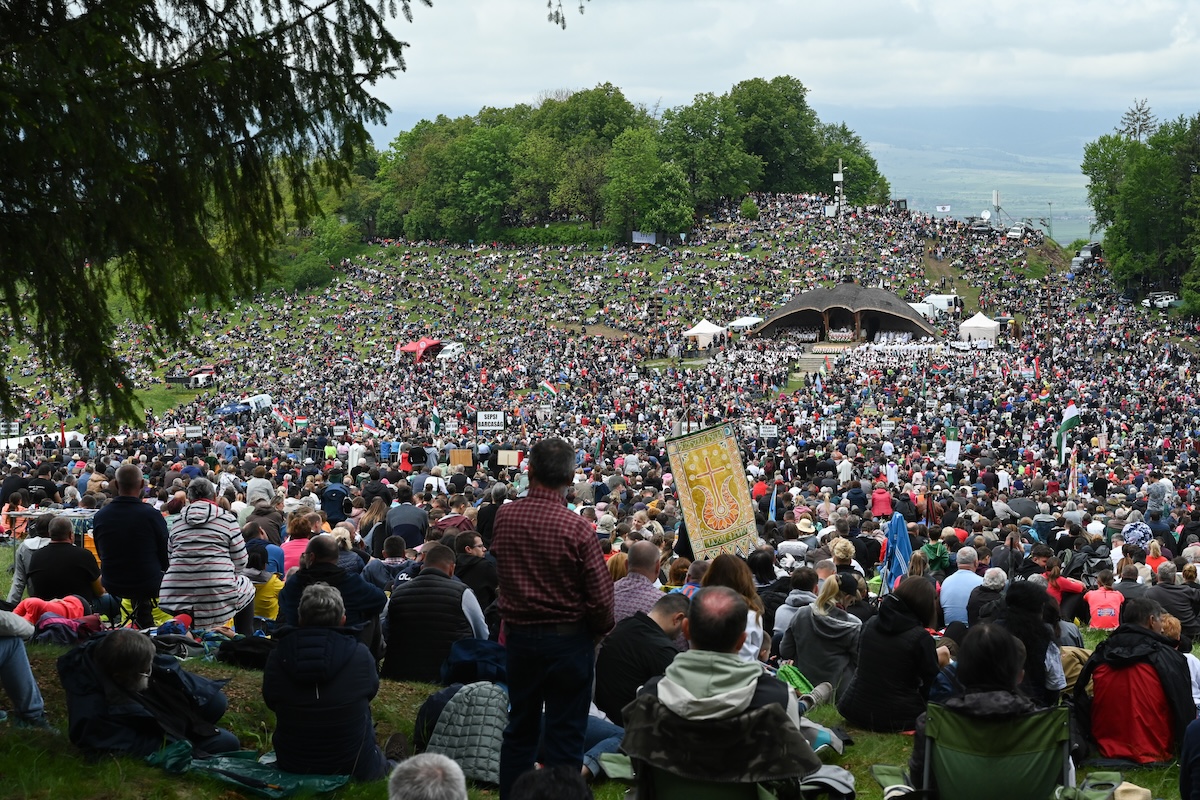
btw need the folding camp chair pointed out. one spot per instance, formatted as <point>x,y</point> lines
<point>997,759</point>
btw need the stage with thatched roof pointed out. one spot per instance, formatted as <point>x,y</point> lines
<point>847,312</point>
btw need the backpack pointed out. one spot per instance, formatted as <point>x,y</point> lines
<point>333,502</point>
<point>248,652</point>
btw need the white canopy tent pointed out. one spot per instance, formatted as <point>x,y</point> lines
<point>744,323</point>
<point>979,327</point>
<point>703,332</point>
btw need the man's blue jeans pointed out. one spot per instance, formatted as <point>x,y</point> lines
<point>554,666</point>
<point>17,679</point>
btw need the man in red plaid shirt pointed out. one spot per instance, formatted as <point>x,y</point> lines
<point>556,600</point>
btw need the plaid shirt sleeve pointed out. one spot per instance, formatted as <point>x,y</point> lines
<point>550,566</point>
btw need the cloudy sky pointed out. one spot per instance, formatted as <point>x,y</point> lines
<point>1042,55</point>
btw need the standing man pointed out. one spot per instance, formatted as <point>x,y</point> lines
<point>131,538</point>
<point>556,600</point>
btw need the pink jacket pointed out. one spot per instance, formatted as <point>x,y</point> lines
<point>881,503</point>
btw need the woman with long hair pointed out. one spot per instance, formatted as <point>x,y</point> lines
<point>898,660</point>
<point>15,526</point>
<point>1154,555</point>
<point>732,572</point>
<point>988,674</point>
<point>1024,616</point>
<point>618,566</point>
<point>373,526</point>
<point>822,639</point>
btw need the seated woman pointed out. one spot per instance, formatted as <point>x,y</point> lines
<point>990,665</point>
<point>823,639</point>
<point>732,572</point>
<point>897,662</point>
<point>124,698</point>
<point>207,559</point>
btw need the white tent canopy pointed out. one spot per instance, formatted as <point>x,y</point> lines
<point>741,323</point>
<point>703,332</point>
<point>979,327</point>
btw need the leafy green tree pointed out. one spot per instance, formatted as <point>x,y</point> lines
<point>537,170</point>
<point>779,127</point>
<point>602,113</point>
<point>862,181</point>
<point>416,178</point>
<point>360,203</point>
<point>632,168</point>
<point>580,189</point>
<point>1149,235</point>
<point>671,210</point>
<point>1104,163</point>
<point>749,210</point>
<point>149,148</point>
<point>479,178</point>
<point>705,141</point>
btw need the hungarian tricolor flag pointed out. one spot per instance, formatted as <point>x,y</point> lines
<point>1071,419</point>
<point>301,422</point>
<point>549,387</point>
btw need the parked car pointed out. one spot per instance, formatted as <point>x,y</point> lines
<point>1015,232</point>
<point>1092,251</point>
<point>1161,300</point>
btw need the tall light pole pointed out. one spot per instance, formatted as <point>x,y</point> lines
<point>1051,204</point>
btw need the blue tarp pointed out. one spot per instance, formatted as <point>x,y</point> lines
<point>231,409</point>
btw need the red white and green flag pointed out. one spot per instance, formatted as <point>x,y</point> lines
<point>301,422</point>
<point>1070,420</point>
<point>549,387</point>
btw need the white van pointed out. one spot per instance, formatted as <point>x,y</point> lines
<point>944,302</point>
<point>926,310</point>
<point>201,380</point>
<point>451,350</point>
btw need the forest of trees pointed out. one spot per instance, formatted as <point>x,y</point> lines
<point>1144,188</point>
<point>596,158</point>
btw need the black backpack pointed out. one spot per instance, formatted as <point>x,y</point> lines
<point>248,652</point>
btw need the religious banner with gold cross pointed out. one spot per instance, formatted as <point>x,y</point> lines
<point>713,494</point>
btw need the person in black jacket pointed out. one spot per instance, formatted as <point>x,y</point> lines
<point>426,616</point>
<point>319,681</point>
<point>362,601</point>
<point>131,538</point>
<point>897,661</point>
<point>124,697</point>
<point>641,647</point>
<point>473,569</point>
<point>1178,599</point>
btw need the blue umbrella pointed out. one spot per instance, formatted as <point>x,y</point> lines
<point>899,553</point>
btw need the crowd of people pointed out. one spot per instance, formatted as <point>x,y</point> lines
<point>934,525</point>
